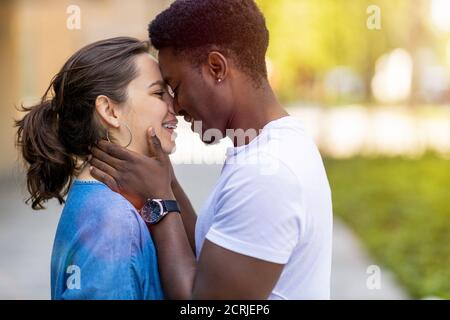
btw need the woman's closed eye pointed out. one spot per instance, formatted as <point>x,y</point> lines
<point>160,94</point>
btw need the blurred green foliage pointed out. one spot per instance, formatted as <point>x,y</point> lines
<point>309,38</point>
<point>400,208</point>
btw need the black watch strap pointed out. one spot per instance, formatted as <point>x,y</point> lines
<point>170,206</point>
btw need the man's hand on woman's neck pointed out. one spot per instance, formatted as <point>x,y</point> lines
<point>85,174</point>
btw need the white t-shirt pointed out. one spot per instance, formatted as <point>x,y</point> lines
<point>273,202</point>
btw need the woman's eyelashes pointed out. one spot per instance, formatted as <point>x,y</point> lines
<point>161,93</point>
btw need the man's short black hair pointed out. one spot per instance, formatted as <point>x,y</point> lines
<point>236,27</point>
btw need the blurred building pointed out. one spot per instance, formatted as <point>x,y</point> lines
<point>37,37</point>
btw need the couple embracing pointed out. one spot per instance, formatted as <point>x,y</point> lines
<point>99,142</point>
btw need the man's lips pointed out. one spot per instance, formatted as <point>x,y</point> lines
<point>188,118</point>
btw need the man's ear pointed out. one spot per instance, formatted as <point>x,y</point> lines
<point>217,66</point>
<point>107,111</point>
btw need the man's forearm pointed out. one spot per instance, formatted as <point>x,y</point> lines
<point>177,263</point>
<point>187,213</point>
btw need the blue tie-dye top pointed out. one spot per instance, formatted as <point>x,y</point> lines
<point>102,248</point>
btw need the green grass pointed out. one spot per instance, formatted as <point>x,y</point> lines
<point>400,208</point>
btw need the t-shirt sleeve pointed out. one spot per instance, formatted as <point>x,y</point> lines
<point>258,213</point>
<point>105,261</point>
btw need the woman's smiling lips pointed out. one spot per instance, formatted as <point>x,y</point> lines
<point>170,125</point>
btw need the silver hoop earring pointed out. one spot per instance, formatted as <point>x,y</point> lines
<point>129,130</point>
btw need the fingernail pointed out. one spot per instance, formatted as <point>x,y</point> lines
<point>89,158</point>
<point>152,132</point>
<point>90,168</point>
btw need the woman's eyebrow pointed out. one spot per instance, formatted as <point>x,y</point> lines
<point>159,82</point>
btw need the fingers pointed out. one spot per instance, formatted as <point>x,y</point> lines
<point>154,145</point>
<point>104,167</point>
<point>105,178</point>
<point>105,157</point>
<point>114,150</point>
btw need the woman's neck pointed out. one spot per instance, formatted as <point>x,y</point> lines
<point>85,174</point>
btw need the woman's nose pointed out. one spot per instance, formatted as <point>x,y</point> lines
<point>171,107</point>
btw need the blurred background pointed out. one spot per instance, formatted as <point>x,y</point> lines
<point>369,79</point>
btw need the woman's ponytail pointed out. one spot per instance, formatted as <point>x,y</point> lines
<point>50,167</point>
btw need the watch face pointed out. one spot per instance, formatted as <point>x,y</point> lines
<point>155,208</point>
<point>152,212</point>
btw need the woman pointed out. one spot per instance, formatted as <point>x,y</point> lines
<point>113,90</point>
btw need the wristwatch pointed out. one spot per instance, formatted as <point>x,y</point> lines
<point>154,210</point>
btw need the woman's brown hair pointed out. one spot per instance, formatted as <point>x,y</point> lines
<point>61,129</point>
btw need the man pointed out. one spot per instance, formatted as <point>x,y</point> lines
<point>265,231</point>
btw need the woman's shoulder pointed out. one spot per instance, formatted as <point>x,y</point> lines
<point>100,232</point>
<point>90,196</point>
<point>93,207</point>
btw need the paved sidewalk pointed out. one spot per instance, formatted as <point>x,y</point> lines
<point>350,270</point>
<point>26,239</point>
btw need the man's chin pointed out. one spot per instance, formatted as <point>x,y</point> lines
<point>208,138</point>
<point>211,141</point>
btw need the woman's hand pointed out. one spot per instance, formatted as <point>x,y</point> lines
<point>135,176</point>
